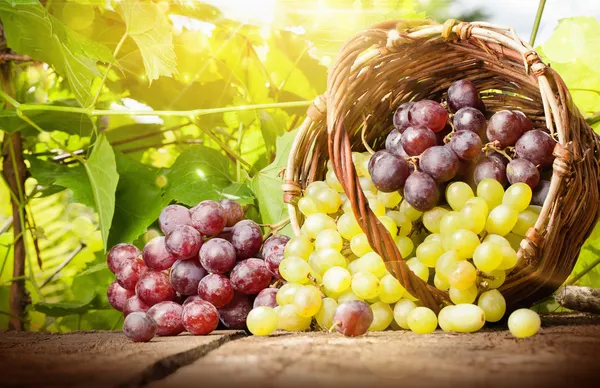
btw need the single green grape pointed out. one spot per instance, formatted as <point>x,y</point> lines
<point>422,320</point>
<point>299,246</point>
<point>405,245</point>
<point>377,206</point>
<point>347,226</point>
<point>308,206</point>
<point>289,320</point>
<point>451,222</point>
<point>262,321</point>
<point>480,204</point>
<point>518,196</point>
<point>313,188</point>
<point>307,301</point>
<point>488,256</point>
<point>526,220</point>
<point>432,219</point>
<point>367,185</point>
<point>316,223</point>
<point>497,239</point>
<point>371,262</point>
<point>383,315</point>
<point>446,264</point>
<point>333,182</point>
<point>457,193</point>
<point>330,200</point>
<point>358,159</point>
<point>294,269</point>
<point>491,191</point>
<point>524,323</point>
<point>389,200</point>
<point>390,289</point>
<point>360,245</point>
<point>434,237</point>
<point>509,258</point>
<point>365,285</point>
<point>337,279</point>
<point>495,278</point>
<point>468,295</point>
<point>501,220</point>
<point>347,296</point>
<point>401,310</point>
<point>493,304</point>
<point>464,243</point>
<point>534,208</point>
<point>286,293</point>
<point>440,284</point>
<point>429,252</point>
<point>464,276</point>
<point>465,318</point>
<point>514,241</point>
<point>409,211</point>
<point>418,268</point>
<point>389,224</point>
<point>321,260</point>
<point>324,316</point>
<point>329,239</point>
<point>474,218</point>
<point>402,221</point>
<point>444,318</point>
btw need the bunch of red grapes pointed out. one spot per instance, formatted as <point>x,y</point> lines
<point>208,267</point>
<point>424,152</point>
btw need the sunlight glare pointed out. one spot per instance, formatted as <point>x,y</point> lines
<point>247,11</point>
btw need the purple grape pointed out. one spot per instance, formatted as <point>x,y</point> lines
<point>526,123</point>
<point>428,113</point>
<point>463,93</point>
<point>401,119</point>
<point>490,167</point>
<point>353,318</point>
<point>421,191</point>
<point>415,140</point>
<point>139,327</point>
<point>183,242</point>
<point>466,144</point>
<point>439,162</point>
<point>217,255</point>
<point>388,171</point>
<point>234,314</point>
<point>209,218</point>
<point>246,239</point>
<point>274,245</point>
<point>154,287</point>
<point>167,316</point>
<point>540,193</point>
<point>200,317</point>
<point>172,216</point>
<point>537,147</point>
<point>216,289</point>
<point>190,299</point>
<point>272,262</point>
<point>469,119</point>
<point>133,305</point>
<point>130,273</point>
<point>233,211</point>
<point>504,127</point>
<point>117,296</point>
<point>522,170</point>
<point>185,276</point>
<point>393,139</point>
<point>120,254</point>
<point>498,157</point>
<point>250,276</point>
<point>155,255</point>
<point>266,298</point>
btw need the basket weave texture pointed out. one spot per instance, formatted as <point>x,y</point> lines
<point>395,62</point>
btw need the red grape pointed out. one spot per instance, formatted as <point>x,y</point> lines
<point>393,139</point>
<point>183,242</point>
<point>504,127</point>
<point>353,318</point>
<point>526,123</point>
<point>463,93</point>
<point>185,276</point>
<point>167,316</point>
<point>415,140</point>
<point>154,287</point>
<point>522,170</point>
<point>216,289</point>
<point>246,239</point>
<point>490,167</point>
<point>466,144</point>
<point>401,120</point>
<point>133,305</point>
<point>428,113</point>
<point>217,255</point>
<point>156,256</point>
<point>421,191</point>
<point>388,171</point>
<point>139,327</point>
<point>190,299</point>
<point>234,314</point>
<point>200,317</point>
<point>208,217</point>
<point>272,262</point>
<point>117,296</point>
<point>537,147</point>
<point>469,119</point>
<point>266,298</point>
<point>439,162</point>
<point>130,273</point>
<point>233,211</point>
<point>250,276</point>
<point>172,216</point>
<point>274,245</point>
<point>120,254</point>
<point>540,193</point>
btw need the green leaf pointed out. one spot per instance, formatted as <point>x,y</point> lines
<point>63,309</point>
<point>149,27</point>
<point>150,136</point>
<point>31,30</point>
<point>272,126</point>
<point>71,123</point>
<point>239,192</point>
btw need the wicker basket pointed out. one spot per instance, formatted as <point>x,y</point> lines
<point>390,64</point>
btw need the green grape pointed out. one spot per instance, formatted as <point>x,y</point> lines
<point>337,279</point>
<point>464,276</point>
<point>480,204</point>
<point>367,185</point>
<point>422,320</point>
<point>347,296</point>
<point>321,261</point>
<point>358,160</point>
<point>365,285</point>
<point>389,224</point>
<point>262,321</point>
<point>514,241</point>
<point>330,200</point>
<point>488,256</point>
<point>457,193</point>
<point>465,318</point>
<point>440,283</point>
<point>534,208</point>
<point>329,239</point>
<point>377,207</point>
<point>360,245</point>
<point>464,243</point>
<point>467,295</point>
<point>382,316</point>
<point>308,206</point>
<point>313,188</point>
<point>434,237</point>
<point>509,258</point>
<point>524,323</point>
<point>497,239</point>
<point>409,211</point>
<point>474,218</point>
<point>428,252</point>
<point>501,220</point>
<point>526,220</point>
<point>289,320</point>
<point>408,296</point>
<point>353,267</point>
<point>299,246</point>
<point>347,207</point>
<point>432,219</point>
<point>286,293</point>
<point>390,289</point>
<point>491,191</point>
<point>518,196</point>
<point>401,311</point>
<point>405,245</point>
<point>451,222</point>
<point>446,264</point>
<point>307,301</point>
<point>315,277</point>
<point>493,304</point>
<point>324,316</point>
<point>371,262</point>
<point>418,268</point>
<point>444,318</point>
<point>347,226</point>
<point>495,279</point>
<point>294,269</point>
<point>389,200</point>
<point>402,221</point>
<point>316,223</point>
<point>333,182</point>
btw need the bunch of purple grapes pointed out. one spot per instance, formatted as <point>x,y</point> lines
<point>208,267</point>
<point>423,152</point>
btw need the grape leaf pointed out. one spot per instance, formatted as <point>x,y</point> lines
<point>62,309</point>
<point>68,122</point>
<point>31,30</point>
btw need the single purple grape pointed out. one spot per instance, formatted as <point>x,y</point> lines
<point>167,316</point>
<point>216,289</point>
<point>154,287</point>
<point>246,239</point>
<point>172,216</point>
<point>505,128</point>
<point>155,255</point>
<point>117,296</point>
<point>429,114</point>
<point>439,162</point>
<point>526,123</point>
<point>393,139</point>
<point>490,167</point>
<point>388,171</point>
<point>469,119</point>
<point>185,276</point>
<point>133,305</point>
<point>266,297</point>
<point>466,144</point>
<point>200,317</point>
<point>130,273</point>
<point>415,140</point>
<point>274,245</point>
<point>353,318</point>
<point>217,255</point>
<point>120,254</point>
<point>272,262</point>
<point>209,218</point>
<point>540,193</point>
<point>139,327</point>
<point>537,147</point>
<point>421,191</point>
<point>250,276</point>
<point>183,242</point>
<point>401,120</point>
<point>522,170</point>
<point>233,211</point>
<point>463,93</point>
<point>234,314</point>
<point>190,299</point>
